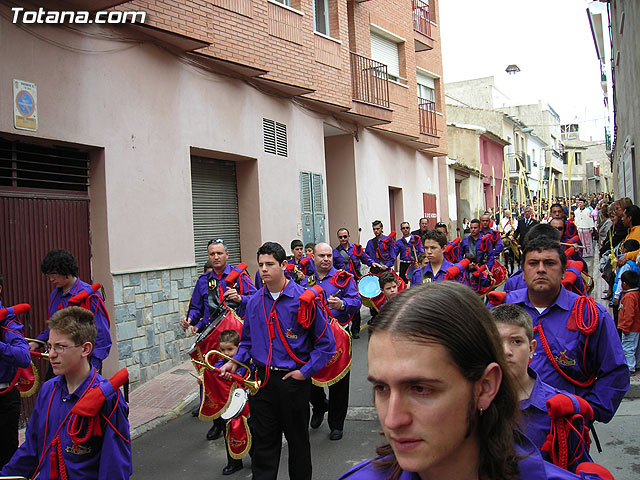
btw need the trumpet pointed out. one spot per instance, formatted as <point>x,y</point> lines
<point>252,385</point>
<point>44,355</point>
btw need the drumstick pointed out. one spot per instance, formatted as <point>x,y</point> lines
<point>572,245</point>
<point>194,375</point>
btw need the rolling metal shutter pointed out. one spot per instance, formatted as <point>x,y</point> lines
<point>215,207</point>
<point>44,204</point>
<point>385,51</point>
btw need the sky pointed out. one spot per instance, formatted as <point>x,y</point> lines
<point>549,40</point>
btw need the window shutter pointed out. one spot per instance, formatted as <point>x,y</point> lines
<point>281,139</point>
<point>215,207</point>
<point>318,209</point>
<point>306,207</point>
<point>269,131</point>
<point>385,51</point>
<point>275,137</point>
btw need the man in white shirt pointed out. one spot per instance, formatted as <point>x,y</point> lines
<point>585,225</point>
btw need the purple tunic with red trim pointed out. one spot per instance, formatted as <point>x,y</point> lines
<point>14,349</point>
<point>105,457</point>
<point>464,248</point>
<point>199,314</point>
<point>537,423</point>
<point>314,345</point>
<point>407,246</point>
<point>353,264</point>
<point>531,466</point>
<point>59,300</point>
<point>498,247</point>
<point>425,274</point>
<point>384,256</point>
<point>348,294</point>
<point>604,355</point>
<point>309,270</point>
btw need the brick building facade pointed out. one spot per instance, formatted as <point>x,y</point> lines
<point>247,120</point>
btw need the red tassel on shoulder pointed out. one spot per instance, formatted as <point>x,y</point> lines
<point>307,308</point>
<point>496,298</point>
<point>91,403</point>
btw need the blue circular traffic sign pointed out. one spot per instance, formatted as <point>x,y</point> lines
<point>25,103</point>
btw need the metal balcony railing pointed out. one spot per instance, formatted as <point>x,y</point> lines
<point>369,80</point>
<point>427,114</point>
<point>421,18</point>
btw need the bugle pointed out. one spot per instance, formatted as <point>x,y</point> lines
<point>252,385</point>
<point>44,355</point>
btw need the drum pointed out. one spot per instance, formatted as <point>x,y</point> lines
<point>215,390</point>
<point>369,288</point>
<point>237,401</point>
<point>340,363</point>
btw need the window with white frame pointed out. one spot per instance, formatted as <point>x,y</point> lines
<point>321,16</point>
<point>385,50</point>
<point>284,2</point>
<point>426,87</point>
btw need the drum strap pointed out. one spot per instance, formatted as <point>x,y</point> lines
<point>347,258</point>
<point>283,339</point>
<point>576,322</point>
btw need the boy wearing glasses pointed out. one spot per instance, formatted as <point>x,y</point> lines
<point>79,427</point>
<point>61,268</point>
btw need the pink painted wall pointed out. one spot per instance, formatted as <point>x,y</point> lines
<point>491,155</point>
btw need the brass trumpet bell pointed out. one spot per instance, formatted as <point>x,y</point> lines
<point>252,385</point>
<point>44,355</point>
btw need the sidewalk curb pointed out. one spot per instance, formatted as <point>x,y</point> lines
<point>171,414</point>
<point>634,391</point>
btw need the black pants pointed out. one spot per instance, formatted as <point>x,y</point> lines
<point>404,266</point>
<point>355,323</point>
<point>280,406</point>
<point>9,416</point>
<point>338,402</point>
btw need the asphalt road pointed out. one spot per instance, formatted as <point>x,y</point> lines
<point>179,448</point>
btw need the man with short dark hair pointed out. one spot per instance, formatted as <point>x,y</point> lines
<point>349,257</point>
<point>424,228</point>
<point>409,247</point>
<point>580,350</point>
<point>381,249</point>
<point>299,266</point>
<point>496,246</point>
<point>287,349</point>
<point>234,296</point>
<point>61,268</point>
<point>471,243</point>
<point>214,284</point>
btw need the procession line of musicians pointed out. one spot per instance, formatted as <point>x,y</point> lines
<point>286,363</point>
<point>289,335</point>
